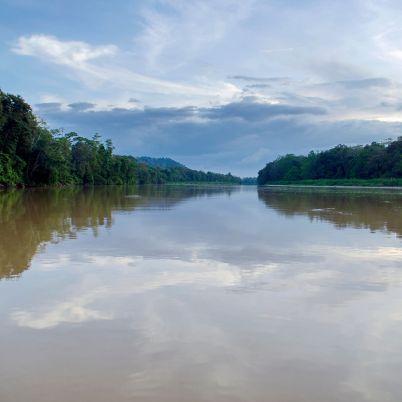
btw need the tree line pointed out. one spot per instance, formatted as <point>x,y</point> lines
<point>33,155</point>
<point>368,162</point>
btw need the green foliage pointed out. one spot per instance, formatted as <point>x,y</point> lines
<point>8,176</point>
<point>33,155</point>
<point>341,163</point>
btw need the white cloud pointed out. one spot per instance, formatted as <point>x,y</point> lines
<point>78,57</point>
<point>71,53</point>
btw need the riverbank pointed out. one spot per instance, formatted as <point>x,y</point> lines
<point>374,183</point>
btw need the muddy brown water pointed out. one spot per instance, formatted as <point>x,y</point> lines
<point>200,294</point>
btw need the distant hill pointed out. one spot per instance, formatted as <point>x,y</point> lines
<point>163,163</point>
<point>167,170</point>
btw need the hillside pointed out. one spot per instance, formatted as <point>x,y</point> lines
<point>163,163</point>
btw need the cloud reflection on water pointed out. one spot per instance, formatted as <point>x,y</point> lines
<point>220,298</point>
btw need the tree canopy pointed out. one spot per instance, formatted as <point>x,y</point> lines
<point>374,161</point>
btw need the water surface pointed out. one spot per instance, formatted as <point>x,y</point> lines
<point>200,294</point>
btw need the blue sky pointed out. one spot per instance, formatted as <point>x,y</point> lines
<point>221,85</point>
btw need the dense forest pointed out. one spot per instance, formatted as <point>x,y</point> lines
<point>370,162</point>
<point>33,155</point>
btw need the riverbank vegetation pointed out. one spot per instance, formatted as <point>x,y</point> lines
<point>377,164</point>
<point>33,155</point>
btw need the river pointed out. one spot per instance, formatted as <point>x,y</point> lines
<point>200,293</point>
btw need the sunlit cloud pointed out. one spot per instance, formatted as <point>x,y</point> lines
<point>74,54</point>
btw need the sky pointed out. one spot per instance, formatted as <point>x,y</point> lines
<point>221,85</point>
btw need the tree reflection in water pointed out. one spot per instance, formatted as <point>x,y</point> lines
<point>31,218</point>
<point>376,210</point>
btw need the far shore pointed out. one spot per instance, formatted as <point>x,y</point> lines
<point>333,186</point>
